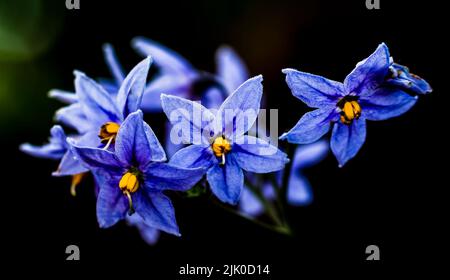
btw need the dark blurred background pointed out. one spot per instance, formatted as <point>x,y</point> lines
<point>389,195</point>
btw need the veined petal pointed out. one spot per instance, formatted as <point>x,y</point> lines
<point>163,176</point>
<point>256,155</point>
<point>386,103</point>
<point>136,143</point>
<point>167,59</point>
<point>132,88</point>
<point>312,126</point>
<point>112,205</point>
<point>156,210</point>
<point>369,73</point>
<point>230,68</point>
<point>113,63</point>
<point>347,140</point>
<point>226,181</point>
<point>97,104</point>
<point>63,96</point>
<point>192,122</point>
<point>194,156</point>
<point>239,111</point>
<point>94,158</point>
<point>315,91</point>
<point>73,117</point>
<point>69,165</point>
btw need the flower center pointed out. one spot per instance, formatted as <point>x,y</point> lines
<point>220,147</point>
<point>350,109</point>
<point>128,184</point>
<point>108,133</point>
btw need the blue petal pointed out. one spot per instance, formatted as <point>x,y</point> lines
<point>299,192</point>
<point>136,144</point>
<point>368,73</point>
<point>55,149</point>
<point>230,68</point>
<point>213,98</point>
<point>178,85</point>
<point>192,122</point>
<point>310,154</point>
<point>95,158</point>
<point>312,126</point>
<point>249,204</point>
<point>401,77</point>
<point>386,103</point>
<point>315,91</point>
<point>156,210</point>
<point>63,96</point>
<point>226,181</point>
<point>69,165</point>
<point>166,59</point>
<point>163,176</point>
<point>346,140</point>
<point>112,205</point>
<point>258,156</point>
<point>131,91</point>
<point>149,234</point>
<point>113,63</point>
<point>239,111</point>
<point>97,104</point>
<point>74,117</point>
<point>194,156</point>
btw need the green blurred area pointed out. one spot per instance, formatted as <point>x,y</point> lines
<point>28,29</point>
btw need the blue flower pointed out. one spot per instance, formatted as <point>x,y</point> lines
<point>399,76</point>
<point>219,141</point>
<point>133,177</point>
<point>345,107</point>
<point>178,77</point>
<point>299,191</point>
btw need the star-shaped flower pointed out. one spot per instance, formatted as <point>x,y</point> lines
<point>345,107</point>
<point>133,177</point>
<point>219,141</point>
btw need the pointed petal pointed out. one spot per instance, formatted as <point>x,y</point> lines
<point>194,156</point>
<point>112,205</point>
<point>113,63</point>
<point>369,73</point>
<point>136,144</point>
<point>55,149</point>
<point>192,123</point>
<point>402,78</point>
<point>95,158</point>
<point>73,117</point>
<point>315,91</point>
<point>167,59</point>
<point>63,96</point>
<point>239,111</point>
<point>226,181</point>
<point>163,176</point>
<point>310,154</point>
<point>156,210</point>
<point>347,140</point>
<point>312,126</point>
<point>97,104</point>
<point>131,91</point>
<point>249,204</point>
<point>69,165</point>
<point>386,103</point>
<point>230,68</point>
<point>256,155</point>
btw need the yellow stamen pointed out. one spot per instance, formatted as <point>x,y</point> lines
<point>108,132</point>
<point>129,182</point>
<point>76,180</point>
<point>350,110</point>
<point>220,147</point>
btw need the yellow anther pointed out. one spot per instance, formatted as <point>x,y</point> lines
<point>76,180</point>
<point>129,183</point>
<point>350,110</point>
<point>108,132</point>
<point>220,147</point>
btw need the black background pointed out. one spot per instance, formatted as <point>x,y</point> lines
<point>389,195</point>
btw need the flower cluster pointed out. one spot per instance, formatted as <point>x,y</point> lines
<point>217,150</point>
